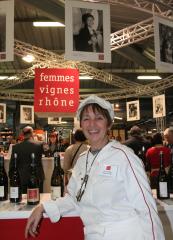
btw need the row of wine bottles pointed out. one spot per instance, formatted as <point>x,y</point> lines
<point>33,194</point>
<point>165,181</point>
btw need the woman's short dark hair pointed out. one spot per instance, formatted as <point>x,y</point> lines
<point>79,136</point>
<point>86,16</point>
<point>95,107</point>
<point>157,139</point>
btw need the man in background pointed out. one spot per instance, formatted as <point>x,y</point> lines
<point>24,151</point>
<point>136,140</point>
<point>168,137</point>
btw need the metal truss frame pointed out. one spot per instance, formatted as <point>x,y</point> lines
<point>152,7</point>
<point>137,32</point>
<point>132,34</point>
<point>124,37</point>
<point>45,58</point>
<point>151,89</point>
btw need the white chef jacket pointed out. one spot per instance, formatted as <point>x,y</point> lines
<point>117,203</point>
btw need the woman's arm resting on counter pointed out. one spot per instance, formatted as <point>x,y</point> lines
<point>33,221</point>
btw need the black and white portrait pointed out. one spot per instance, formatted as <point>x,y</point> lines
<point>87,31</point>
<point>166,43</point>
<point>132,109</point>
<point>26,114</point>
<point>163,35</point>
<point>159,106</point>
<point>2,113</point>
<point>6,30</point>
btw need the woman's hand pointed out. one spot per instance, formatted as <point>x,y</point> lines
<point>33,221</point>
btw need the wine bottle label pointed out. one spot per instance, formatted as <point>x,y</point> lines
<point>163,189</point>
<point>55,192</point>
<point>14,192</point>
<point>2,192</point>
<point>33,195</point>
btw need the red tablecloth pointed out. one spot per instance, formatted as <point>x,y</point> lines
<point>68,228</point>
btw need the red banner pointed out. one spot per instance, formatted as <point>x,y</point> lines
<point>56,90</point>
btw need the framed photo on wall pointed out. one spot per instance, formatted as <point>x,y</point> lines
<point>132,109</point>
<point>87,31</point>
<point>6,30</point>
<point>163,39</point>
<point>2,113</point>
<point>159,109</point>
<point>26,114</point>
<point>54,120</point>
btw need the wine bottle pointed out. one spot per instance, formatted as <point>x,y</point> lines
<point>170,174</point>
<point>162,185</point>
<point>33,194</point>
<point>3,181</point>
<point>141,155</point>
<point>57,186</point>
<point>15,184</point>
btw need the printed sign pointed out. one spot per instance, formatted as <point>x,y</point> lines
<point>56,90</point>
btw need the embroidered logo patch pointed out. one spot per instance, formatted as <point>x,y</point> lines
<point>108,170</point>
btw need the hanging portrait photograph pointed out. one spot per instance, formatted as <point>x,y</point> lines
<point>132,109</point>
<point>26,114</point>
<point>6,30</point>
<point>159,109</point>
<point>87,31</point>
<point>2,113</point>
<point>163,39</point>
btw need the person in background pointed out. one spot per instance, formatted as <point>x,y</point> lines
<point>66,143</point>
<point>108,188</point>
<point>88,39</point>
<point>24,150</point>
<point>168,137</point>
<point>72,153</point>
<point>13,142</point>
<point>136,141</point>
<point>149,138</point>
<point>153,158</point>
<point>53,145</point>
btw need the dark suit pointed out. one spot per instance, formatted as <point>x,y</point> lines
<point>82,41</point>
<point>136,143</point>
<point>24,150</point>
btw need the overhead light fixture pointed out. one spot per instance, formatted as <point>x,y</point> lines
<point>63,122</point>
<point>85,77</point>
<point>12,78</point>
<point>119,118</point>
<point>116,105</point>
<point>28,58</point>
<point>3,77</point>
<point>48,24</point>
<point>148,77</point>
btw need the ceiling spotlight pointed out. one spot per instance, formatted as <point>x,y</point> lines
<point>149,77</point>
<point>3,77</point>
<point>119,118</point>
<point>28,58</point>
<point>85,77</point>
<point>48,24</point>
<point>12,77</point>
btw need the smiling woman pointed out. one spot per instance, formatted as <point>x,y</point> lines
<point>108,188</point>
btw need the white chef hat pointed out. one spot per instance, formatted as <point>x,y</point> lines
<point>100,101</point>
